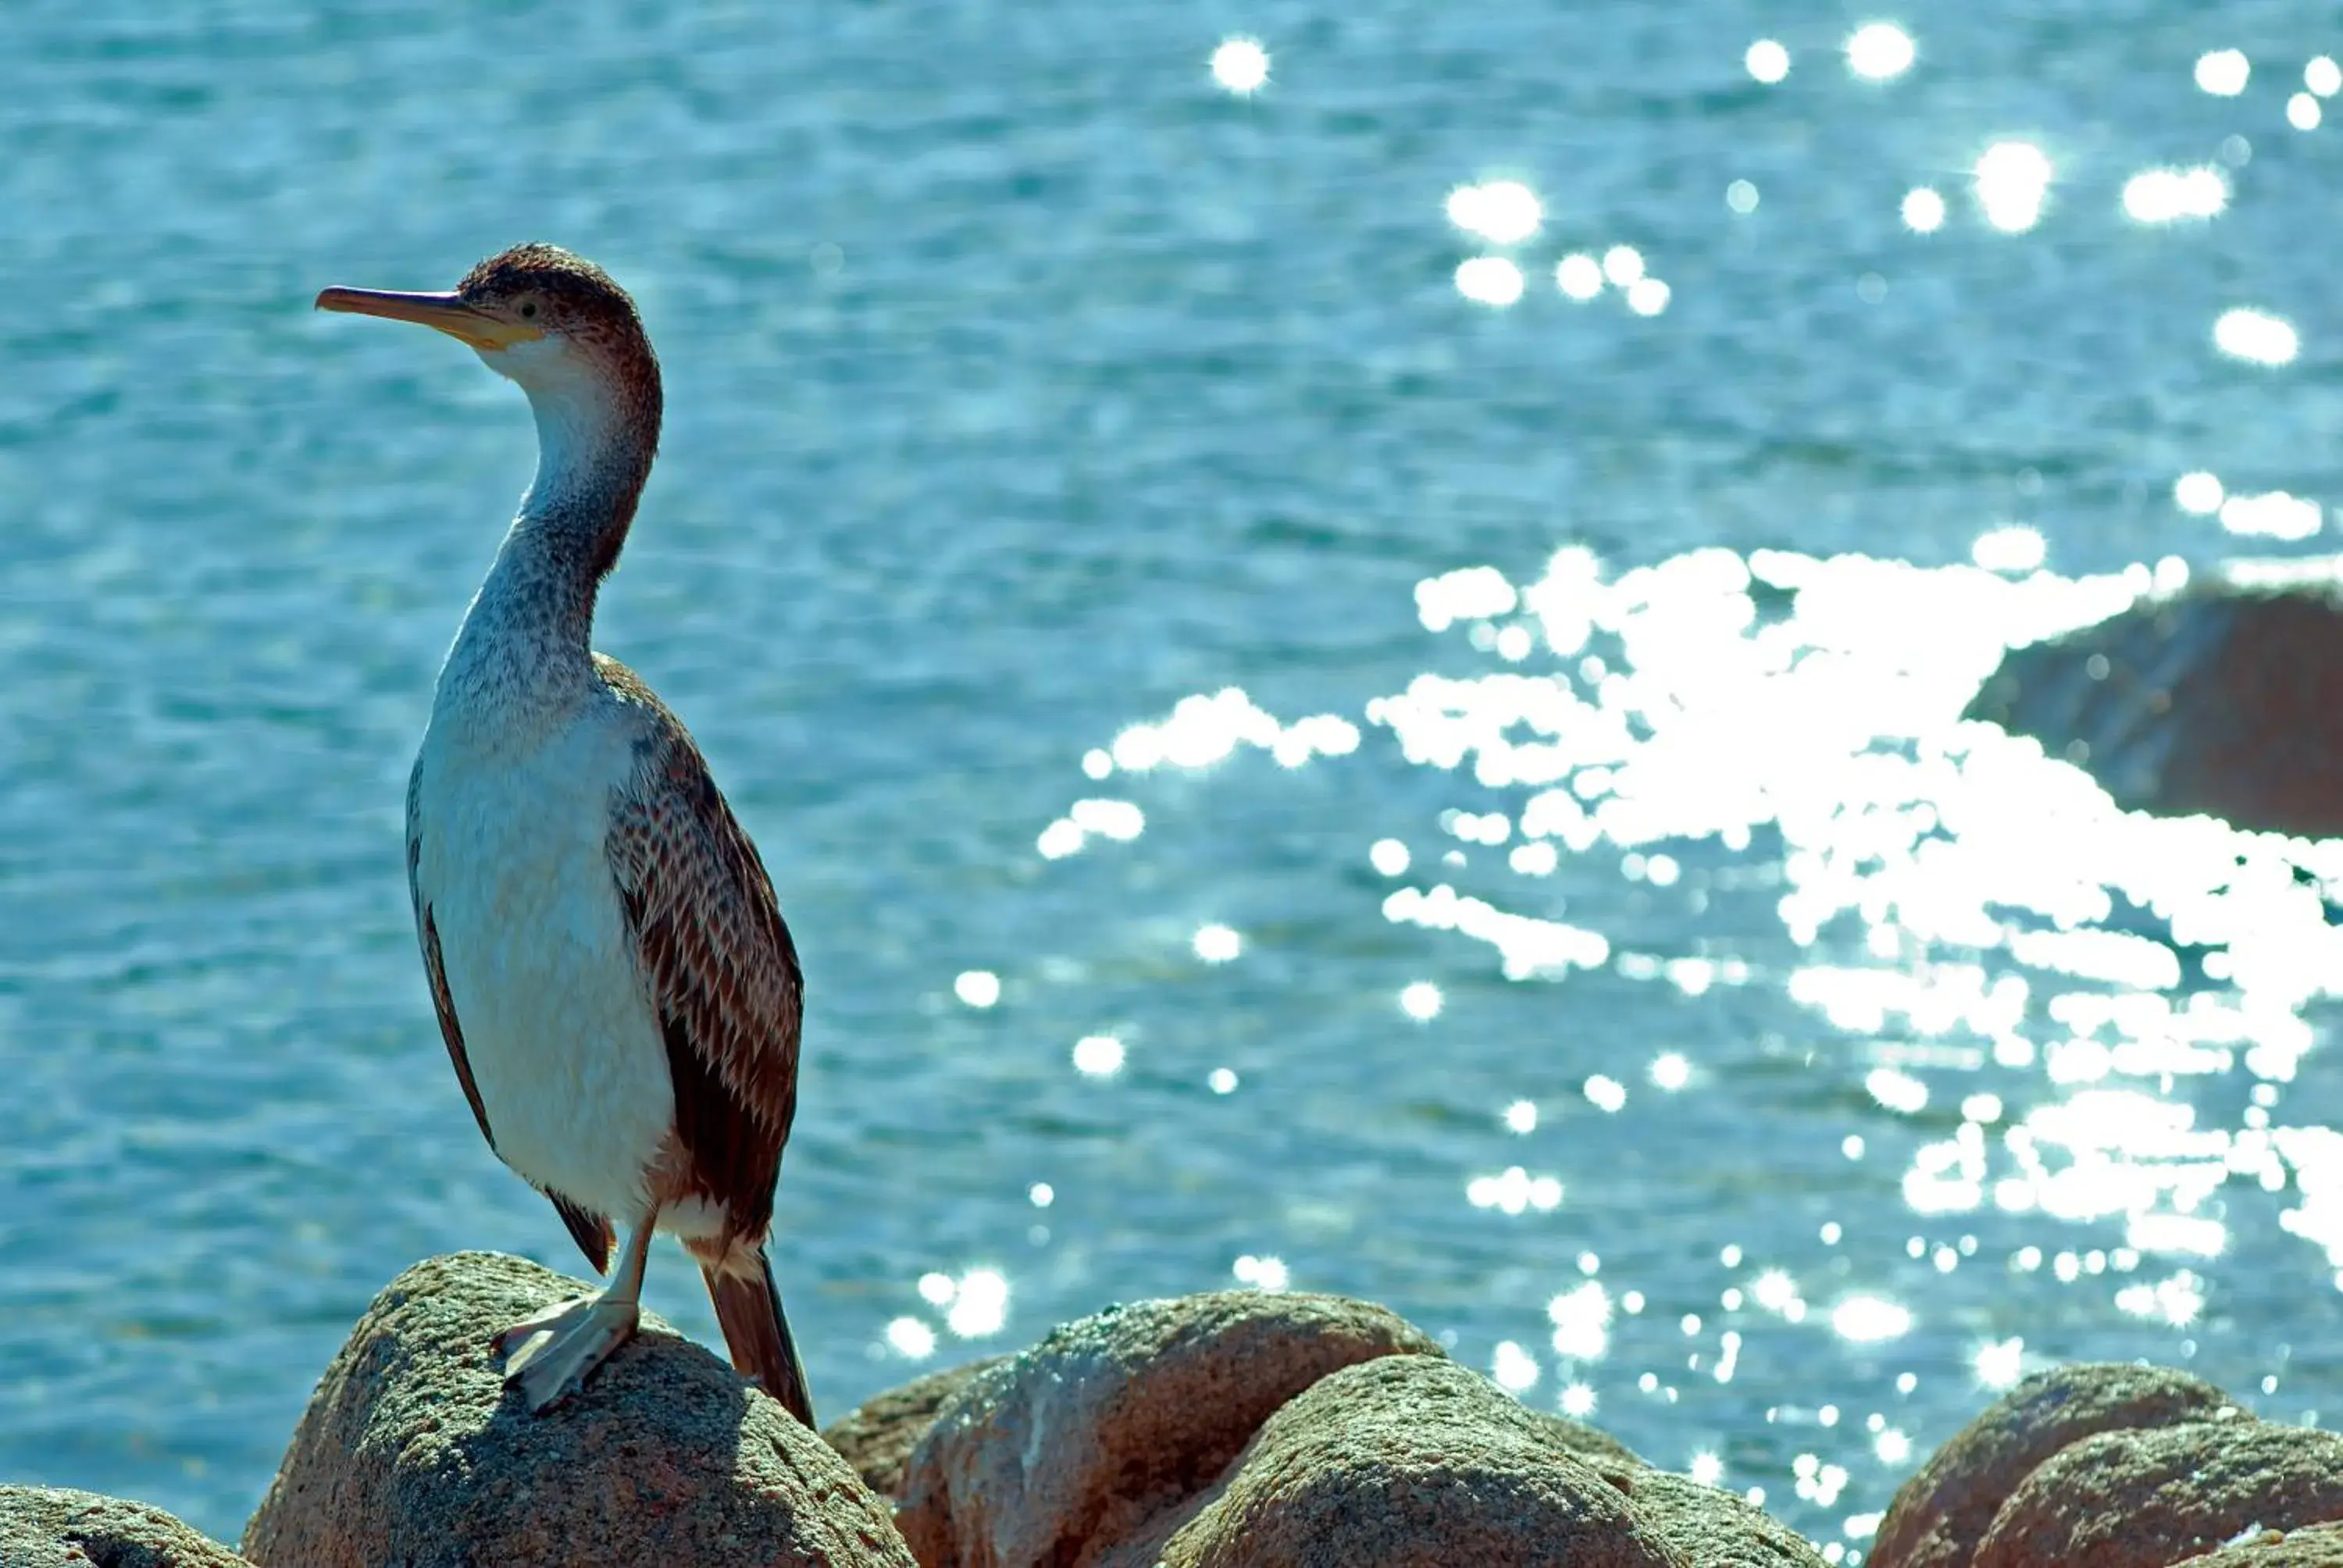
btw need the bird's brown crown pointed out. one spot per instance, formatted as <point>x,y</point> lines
<point>559,292</point>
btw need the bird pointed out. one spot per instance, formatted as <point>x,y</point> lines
<point>613,978</point>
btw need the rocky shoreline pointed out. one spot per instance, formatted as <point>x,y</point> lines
<point>1230,1430</point>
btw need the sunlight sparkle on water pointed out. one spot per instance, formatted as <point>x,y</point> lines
<point>2177,1300</point>
<point>1578,1402</point>
<point>910,1337</point>
<point>2274,514</point>
<point>1741,197</point>
<point>1879,50</point>
<point>1867,1319</point>
<point>1502,212</point>
<point>1774,1290</point>
<point>2303,113</point>
<point>1217,944</point>
<point>1578,275</point>
<point>1924,210</point>
<point>2199,493</point>
<point>2223,72</point>
<point>1897,1091</point>
<point>1221,1080</point>
<point>1999,1363</point>
<point>1514,1190</point>
<point>1623,264</point>
<point>2256,336</point>
<point>1421,1000</point>
<point>1098,1056</point>
<point>2015,548</point>
<point>1264,1273</point>
<point>2323,76</point>
<point>1670,1071</point>
<point>1647,297</point>
<point>1388,855</point>
<point>1515,1370</point>
<point>2168,196</point>
<point>977,988</point>
<point>1204,730</point>
<point>1767,61</point>
<point>1606,1093</point>
<point>1522,1116</point>
<point>2012,178</point>
<point>1582,1322</point>
<point>1241,66</point>
<point>979,1305</point>
<point>1489,280</point>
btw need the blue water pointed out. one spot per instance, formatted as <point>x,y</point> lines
<point>1786,1065</point>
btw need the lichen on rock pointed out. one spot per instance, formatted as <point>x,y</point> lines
<point>412,1451</point>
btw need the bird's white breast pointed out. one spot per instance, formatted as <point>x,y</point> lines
<point>562,1042</point>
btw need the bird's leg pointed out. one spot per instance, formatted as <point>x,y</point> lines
<point>554,1352</point>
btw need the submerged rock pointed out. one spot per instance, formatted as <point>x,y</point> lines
<point>2217,700</point>
<point>55,1527</point>
<point>413,1452</point>
<point>1941,1514</point>
<point>1115,1418</point>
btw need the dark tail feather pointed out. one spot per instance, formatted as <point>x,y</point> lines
<point>757,1332</point>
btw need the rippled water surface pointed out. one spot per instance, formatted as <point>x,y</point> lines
<point>1352,681</point>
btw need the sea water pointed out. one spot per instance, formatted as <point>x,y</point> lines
<point>1343,629</point>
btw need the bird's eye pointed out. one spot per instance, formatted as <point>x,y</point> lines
<point>528,310</point>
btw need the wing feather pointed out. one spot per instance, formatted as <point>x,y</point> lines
<point>427,932</point>
<point>717,962</point>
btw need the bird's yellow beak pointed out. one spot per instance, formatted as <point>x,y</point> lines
<point>447,312</point>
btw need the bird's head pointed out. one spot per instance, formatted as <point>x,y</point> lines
<point>552,321</point>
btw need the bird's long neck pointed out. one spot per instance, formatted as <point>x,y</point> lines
<point>525,648</point>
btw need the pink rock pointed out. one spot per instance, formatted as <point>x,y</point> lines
<point>877,1437</point>
<point>1405,1463</point>
<point>1114,1418</point>
<point>53,1527</point>
<point>1940,1514</point>
<point>2150,1499</point>
<point>413,1450</point>
<point>2318,1547</point>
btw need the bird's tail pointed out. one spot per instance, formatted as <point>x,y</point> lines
<point>756,1332</point>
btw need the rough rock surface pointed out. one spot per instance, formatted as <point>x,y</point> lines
<point>1116,1417</point>
<point>1404,1463</point>
<point>2319,1546</point>
<point>2213,700</point>
<point>1941,1514</point>
<point>877,1437</point>
<point>2150,1499</point>
<point>412,1452</point>
<point>1713,1529</point>
<point>53,1527</point>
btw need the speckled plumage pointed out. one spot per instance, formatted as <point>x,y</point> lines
<point>612,977</point>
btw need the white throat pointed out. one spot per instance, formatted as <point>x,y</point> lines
<point>581,438</point>
<point>522,658</point>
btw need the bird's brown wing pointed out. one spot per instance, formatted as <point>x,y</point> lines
<point>716,959</point>
<point>590,1230</point>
